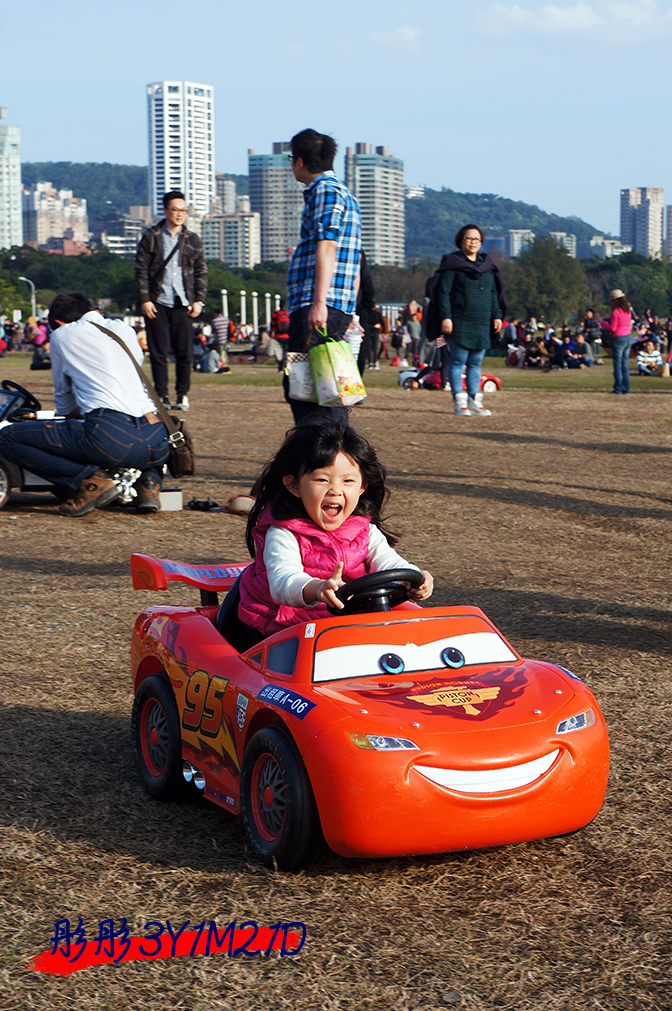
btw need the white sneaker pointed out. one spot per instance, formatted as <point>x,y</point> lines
<point>476,406</point>
<point>182,403</point>
<point>377,366</point>
<point>460,406</point>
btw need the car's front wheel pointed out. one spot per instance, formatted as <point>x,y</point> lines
<point>155,727</point>
<point>278,806</point>
<point>489,386</point>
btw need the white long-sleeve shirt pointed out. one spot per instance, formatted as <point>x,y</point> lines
<point>90,370</point>
<point>284,565</point>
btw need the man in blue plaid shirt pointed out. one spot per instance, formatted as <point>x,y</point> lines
<point>323,277</point>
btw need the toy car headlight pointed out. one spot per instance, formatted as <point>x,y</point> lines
<point>371,742</point>
<point>578,722</point>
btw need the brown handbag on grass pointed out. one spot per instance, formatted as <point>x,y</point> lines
<point>181,461</point>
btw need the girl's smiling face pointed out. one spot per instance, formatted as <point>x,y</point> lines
<point>329,494</point>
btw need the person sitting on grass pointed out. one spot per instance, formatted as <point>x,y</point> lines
<point>649,360</point>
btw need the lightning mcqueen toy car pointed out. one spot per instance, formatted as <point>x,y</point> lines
<point>391,731</point>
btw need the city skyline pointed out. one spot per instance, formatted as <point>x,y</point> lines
<point>492,98</point>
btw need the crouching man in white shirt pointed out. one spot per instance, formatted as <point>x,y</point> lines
<point>110,421</point>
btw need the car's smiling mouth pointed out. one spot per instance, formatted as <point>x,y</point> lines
<point>513,777</point>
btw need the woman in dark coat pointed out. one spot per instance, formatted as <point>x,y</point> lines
<point>471,301</point>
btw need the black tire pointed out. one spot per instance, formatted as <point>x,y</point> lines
<point>5,485</point>
<point>407,383</point>
<point>155,727</point>
<point>278,806</point>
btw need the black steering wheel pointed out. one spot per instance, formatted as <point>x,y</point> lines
<point>378,591</point>
<point>30,403</point>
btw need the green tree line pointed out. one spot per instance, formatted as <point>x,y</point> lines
<point>104,275</point>
<point>543,280</point>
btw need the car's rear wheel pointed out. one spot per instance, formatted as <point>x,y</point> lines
<point>5,485</point>
<point>155,726</point>
<point>278,806</point>
<point>489,386</point>
<point>408,383</point>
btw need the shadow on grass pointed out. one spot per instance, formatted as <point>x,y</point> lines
<point>528,498</point>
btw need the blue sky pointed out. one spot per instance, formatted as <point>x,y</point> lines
<point>557,104</point>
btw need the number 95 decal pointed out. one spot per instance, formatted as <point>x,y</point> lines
<point>203,703</point>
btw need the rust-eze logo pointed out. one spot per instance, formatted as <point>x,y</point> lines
<point>460,696</point>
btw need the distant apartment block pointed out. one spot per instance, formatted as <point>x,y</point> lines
<point>518,240</point>
<point>376,179</point>
<point>566,240</point>
<point>49,213</point>
<point>181,143</point>
<point>233,238</point>
<point>642,219</point>
<point>668,232</point>
<point>278,199</point>
<point>415,192</point>
<point>11,230</point>
<point>599,248</point>
<point>226,193</point>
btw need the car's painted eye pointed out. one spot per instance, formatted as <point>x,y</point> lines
<point>391,663</point>
<point>452,657</point>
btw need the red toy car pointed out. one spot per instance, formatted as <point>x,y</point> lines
<point>431,380</point>
<point>410,730</point>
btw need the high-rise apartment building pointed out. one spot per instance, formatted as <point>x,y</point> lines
<point>642,219</point>
<point>518,240</point>
<point>234,238</point>
<point>11,231</point>
<point>226,193</point>
<point>566,240</point>
<point>49,213</point>
<point>278,198</point>
<point>181,143</point>
<point>376,179</point>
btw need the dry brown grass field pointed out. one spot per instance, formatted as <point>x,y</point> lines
<point>554,516</point>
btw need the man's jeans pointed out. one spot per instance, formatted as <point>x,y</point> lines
<point>459,359</point>
<point>300,339</point>
<point>68,451</point>
<point>620,352</point>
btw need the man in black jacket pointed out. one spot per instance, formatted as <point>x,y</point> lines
<point>171,277</point>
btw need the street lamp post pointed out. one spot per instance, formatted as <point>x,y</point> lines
<point>32,294</point>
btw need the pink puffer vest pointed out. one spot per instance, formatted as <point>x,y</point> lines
<point>321,551</point>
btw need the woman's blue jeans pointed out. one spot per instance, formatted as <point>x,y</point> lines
<point>461,358</point>
<point>620,350</point>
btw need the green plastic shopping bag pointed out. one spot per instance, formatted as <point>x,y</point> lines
<point>337,378</point>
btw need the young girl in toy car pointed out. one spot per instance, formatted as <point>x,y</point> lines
<point>316,524</point>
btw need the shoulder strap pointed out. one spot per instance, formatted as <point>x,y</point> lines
<point>160,409</point>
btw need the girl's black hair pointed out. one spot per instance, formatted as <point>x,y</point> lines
<point>309,447</point>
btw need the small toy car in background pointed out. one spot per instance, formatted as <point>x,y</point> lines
<point>408,380</point>
<point>388,729</point>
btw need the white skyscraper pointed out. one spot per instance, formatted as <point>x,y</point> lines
<point>11,231</point>
<point>181,143</point>
<point>377,180</point>
<point>642,219</point>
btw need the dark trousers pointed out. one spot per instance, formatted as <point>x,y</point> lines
<point>170,329</point>
<point>301,339</point>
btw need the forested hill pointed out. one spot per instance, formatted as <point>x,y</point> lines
<point>105,187</point>
<point>432,221</point>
